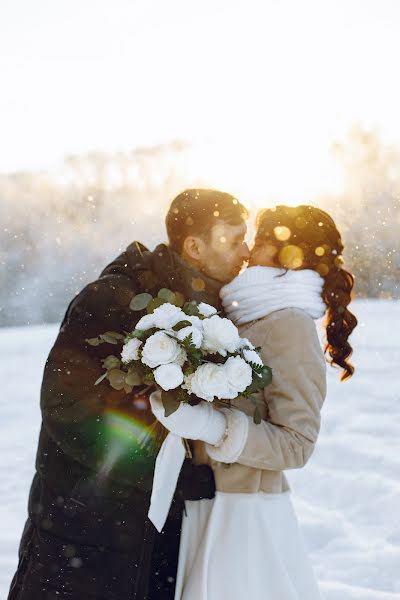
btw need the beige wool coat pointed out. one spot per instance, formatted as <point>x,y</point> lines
<point>286,437</point>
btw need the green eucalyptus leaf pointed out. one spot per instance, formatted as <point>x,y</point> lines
<point>140,334</point>
<point>114,334</point>
<point>94,341</point>
<point>109,339</point>
<point>257,416</point>
<point>181,325</point>
<point>133,377</point>
<point>140,301</point>
<point>111,362</point>
<point>116,377</point>
<point>154,303</point>
<point>191,308</point>
<point>167,295</point>
<point>170,402</point>
<point>179,299</point>
<point>266,375</point>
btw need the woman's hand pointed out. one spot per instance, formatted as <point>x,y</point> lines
<point>200,422</point>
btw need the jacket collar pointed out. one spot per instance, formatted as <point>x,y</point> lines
<point>163,267</point>
<point>179,275</point>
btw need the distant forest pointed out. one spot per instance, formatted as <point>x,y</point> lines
<point>59,230</point>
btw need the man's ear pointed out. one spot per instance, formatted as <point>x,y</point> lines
<point>193,247</point>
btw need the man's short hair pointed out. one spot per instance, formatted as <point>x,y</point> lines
<point>196,211</point>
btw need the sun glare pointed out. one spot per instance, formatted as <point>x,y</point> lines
<point>262,175</point>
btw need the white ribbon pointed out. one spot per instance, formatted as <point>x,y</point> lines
<point>168,465</point>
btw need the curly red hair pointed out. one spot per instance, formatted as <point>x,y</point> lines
<point>313,233</point>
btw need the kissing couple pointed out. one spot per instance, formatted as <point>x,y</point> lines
<point>231,529</point>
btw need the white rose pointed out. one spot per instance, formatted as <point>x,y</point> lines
<point>160,349</point>
<point>253,356</point>
<point>197,336</point>
<point>187,384</point>
<point>245,342</point>
<point>239,374</point>
<point>167,316</point>
<point>145,323</point>
<point>182,357</point>
<point>169,376</point>
<point>195,321</point>
<point>206,309</point>
<point>220,335</point>
<point>209,381</point>
<point>130,350</point>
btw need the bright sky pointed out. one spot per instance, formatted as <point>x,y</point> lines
<point>262,87</point>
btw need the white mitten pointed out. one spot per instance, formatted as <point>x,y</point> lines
<point>200,422</point>
<point>233,445</point>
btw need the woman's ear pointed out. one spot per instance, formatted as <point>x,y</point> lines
<point>194,248</point>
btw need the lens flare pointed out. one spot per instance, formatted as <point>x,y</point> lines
<point>125,439</point>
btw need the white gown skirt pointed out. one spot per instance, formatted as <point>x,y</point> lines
<point>243,547</point>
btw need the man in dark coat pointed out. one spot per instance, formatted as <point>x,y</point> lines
<point>87,535</point>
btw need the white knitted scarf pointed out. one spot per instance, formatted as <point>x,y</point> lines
<point>259,291</point>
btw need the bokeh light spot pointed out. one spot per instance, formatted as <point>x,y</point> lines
<point>291,257</point>
<point>300,222</point>
<point>76,562</point>
<point>323,269</point>
<point>339,261</point>
<point>320,251</point>
<point>282,233</point>
<point>69,550</point>
<point>198,284</point>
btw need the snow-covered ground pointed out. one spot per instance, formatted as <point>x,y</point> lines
<point>347,497</point>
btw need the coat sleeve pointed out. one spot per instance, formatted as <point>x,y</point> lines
<point>294,398</point>
<point>75,412</point>
<point>78,416</point>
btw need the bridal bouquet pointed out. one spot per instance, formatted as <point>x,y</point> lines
<point>188,351</point>
<point>191,354</point>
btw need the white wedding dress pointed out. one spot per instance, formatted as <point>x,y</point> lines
<point>243,547</point>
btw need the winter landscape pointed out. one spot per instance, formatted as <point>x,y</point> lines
<point>274,102</point>
<point>346,498</point>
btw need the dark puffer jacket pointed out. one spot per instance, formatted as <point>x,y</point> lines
<point>87,535</point>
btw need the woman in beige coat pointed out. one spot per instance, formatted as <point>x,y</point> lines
<point>246,542</point>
